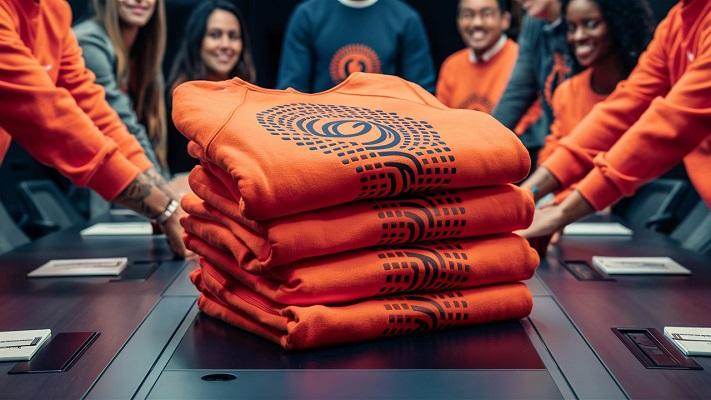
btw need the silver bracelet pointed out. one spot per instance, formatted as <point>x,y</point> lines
<point>169,210</point>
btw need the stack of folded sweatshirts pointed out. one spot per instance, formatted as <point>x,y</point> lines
<point>366,211</point>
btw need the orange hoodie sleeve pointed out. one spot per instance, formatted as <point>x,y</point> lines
<point>670,129</point>
<point>46,120</point>
<point>90,97</point>
<point>573,158</point>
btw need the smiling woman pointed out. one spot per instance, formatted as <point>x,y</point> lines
<point>125,37</point>
<point>216,47</point>
<point>606,38</point>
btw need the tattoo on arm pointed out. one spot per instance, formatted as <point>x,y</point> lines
<point>135,195</point>
<point>158,181</point>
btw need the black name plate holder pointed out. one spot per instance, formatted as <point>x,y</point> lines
<point>583,271</point>
<point>58,355</point>
<point>653,350</point>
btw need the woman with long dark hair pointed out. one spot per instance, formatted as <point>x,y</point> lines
<point>124,45</point>
<point>215,47</point>
<point>606,37</point>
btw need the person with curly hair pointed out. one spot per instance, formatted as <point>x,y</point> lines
<point>659,116</point>
<point>606,37</point>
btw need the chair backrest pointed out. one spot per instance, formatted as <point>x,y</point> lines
<point>694,233</point>
<point>46,206</point>
<point>659,205</point>
<point>10,235</point>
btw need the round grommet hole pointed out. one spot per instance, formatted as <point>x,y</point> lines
<point>218,377</point>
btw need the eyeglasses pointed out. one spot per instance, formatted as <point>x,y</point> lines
<point>485,14</point>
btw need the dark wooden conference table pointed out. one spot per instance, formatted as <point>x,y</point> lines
<point>154,343</point>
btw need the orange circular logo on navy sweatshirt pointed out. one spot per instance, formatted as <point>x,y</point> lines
<point>353,58</point>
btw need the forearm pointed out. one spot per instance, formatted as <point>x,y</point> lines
<point>144,197</point>
<point>540,183</point>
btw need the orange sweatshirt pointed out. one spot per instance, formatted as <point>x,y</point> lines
<point>50,104</point>
<point>478,85</point>
<point>306,327</point>
<point>660,115</point>
<point>372,136</point>
<point>572,101</point>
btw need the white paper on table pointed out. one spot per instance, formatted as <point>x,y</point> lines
<point>597,229</point>
<point>22,345</point>
<point>692,341</point>
<point>639,266</point>
<point>118,229</point>
<point>81,267</point>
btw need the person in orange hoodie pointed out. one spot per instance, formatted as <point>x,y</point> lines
<point>51,106</point>
<point>475,77</point>
<point>606,37</point>
<point>659,116</point>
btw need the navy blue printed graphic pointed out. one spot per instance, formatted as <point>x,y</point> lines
<point>424,313</point>
<point>427,267</point>
<point>392,154</point>
<point>420,218</point>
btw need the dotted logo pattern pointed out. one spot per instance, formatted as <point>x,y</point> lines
<point>421,218</point>
<point>390,153</point>
<point>432,267</point>
<point>424,313</point>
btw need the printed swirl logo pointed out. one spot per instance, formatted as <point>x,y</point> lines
<point>425,312</point>
<point>353,58</point>
<point>428,267</point>
<point>391,154</point>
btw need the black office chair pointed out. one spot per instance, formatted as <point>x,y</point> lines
<point>659,205</point>
<point>47,209</point>
<point>694,233</point>
<point>10,235</point>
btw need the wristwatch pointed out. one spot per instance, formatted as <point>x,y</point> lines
<point>169,210</point>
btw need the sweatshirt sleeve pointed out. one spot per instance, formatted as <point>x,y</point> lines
<point>610,119</point>
<point>671,128</point>
<point>98,60</point>
<point>521,90</point>
<point>415,62</point>
<point>46,121</point>
<point>296,67</point>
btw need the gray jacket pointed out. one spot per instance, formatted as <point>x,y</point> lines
<point>100,58</point>
<point>535,76</point>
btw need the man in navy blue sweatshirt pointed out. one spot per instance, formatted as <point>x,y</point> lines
<point>327,40</point>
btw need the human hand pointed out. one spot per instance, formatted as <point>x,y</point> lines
<point>173,231</point>
<point>144,197</point>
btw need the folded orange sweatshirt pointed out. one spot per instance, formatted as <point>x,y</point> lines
<point>371,136</point>
<point>258,247</point>
<point>373,272</point>
<point>296,327</point>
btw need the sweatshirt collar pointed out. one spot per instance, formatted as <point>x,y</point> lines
<point>357,4</point>
<point>489,54</point>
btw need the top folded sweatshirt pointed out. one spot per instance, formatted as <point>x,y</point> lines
<point>372,136</point>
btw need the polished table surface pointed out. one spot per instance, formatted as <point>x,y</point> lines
<point>635,302</point>
<point>155,344</point>
<point>114,309</point>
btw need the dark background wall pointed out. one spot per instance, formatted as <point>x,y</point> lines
<point>267,19</point>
